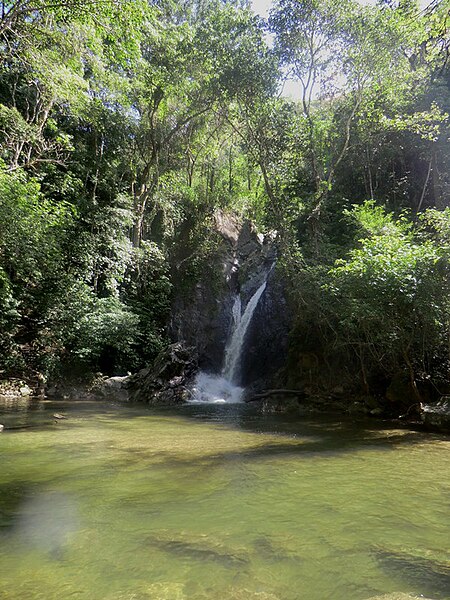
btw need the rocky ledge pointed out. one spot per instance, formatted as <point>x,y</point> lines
<point>164,382</point>
<point>437,415</point>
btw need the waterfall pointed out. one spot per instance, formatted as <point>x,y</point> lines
<point>209,388</point>
<point>235,344</point>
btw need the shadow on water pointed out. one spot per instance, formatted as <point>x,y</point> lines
<point>290,435</point>
<point>327,445</point>
<point>12,495</point>
<point>304,434</point>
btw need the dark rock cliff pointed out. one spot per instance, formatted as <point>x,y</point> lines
<point>266,343</point>
<point>202,318</point>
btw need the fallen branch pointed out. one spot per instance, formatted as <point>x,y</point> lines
<point>269,393</point>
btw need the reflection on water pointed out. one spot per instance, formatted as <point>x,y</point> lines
<point>217,502</point>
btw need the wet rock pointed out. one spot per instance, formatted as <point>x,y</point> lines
<point>166,381</point>
<point>437,415</point>
<point>100,387</point>
<point>357,408</point>
<point>266,344</point>
<point>338,390</point>
<point>400,392</point>
<point>373,403</point>
<point>112,388</point>
<point>2,427</point>
<point>376,412</point>
<point>203,316</point>
<point>279,405</point>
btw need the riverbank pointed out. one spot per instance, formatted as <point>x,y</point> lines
<point>295,403</point>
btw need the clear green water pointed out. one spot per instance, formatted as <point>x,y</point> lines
<point>217,502</point>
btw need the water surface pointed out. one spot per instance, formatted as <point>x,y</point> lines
<point>217,502</point>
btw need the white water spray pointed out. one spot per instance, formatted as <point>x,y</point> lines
<point>222,388</point>
<point>235,344</point>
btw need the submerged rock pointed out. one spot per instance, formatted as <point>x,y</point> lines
<point>416,568</point>
<point>235,593</point>
<point>199,548</point>
<point>273,551</point>
<point>398,596</point>
<point>166,381</point>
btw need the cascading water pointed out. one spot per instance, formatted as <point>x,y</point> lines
<point>235,344</point>
<point>223,388</point>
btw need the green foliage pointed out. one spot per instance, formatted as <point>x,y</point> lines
<point>99,333</point>
<point>374,220</point>
<point>391,295</point>
<point>33,232</point>
<point>147,291</point>
<point>9,320</point>
<point>426,124</point>
<point>125,125</point>
<point>30,230</point>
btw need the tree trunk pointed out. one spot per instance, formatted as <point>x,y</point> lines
<point>412,378</point>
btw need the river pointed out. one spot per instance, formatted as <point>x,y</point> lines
<point>217,502</point>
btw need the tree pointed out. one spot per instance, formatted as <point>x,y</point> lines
<point>390,296</point>
<point>347,58</point>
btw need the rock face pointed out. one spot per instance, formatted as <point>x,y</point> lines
<point>266,343</point>
<point>204,319</point>
<point>166,381</point>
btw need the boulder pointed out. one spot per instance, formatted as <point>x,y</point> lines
<point>166,381</point>
<point>228,225</point>
<point>437,415</point>
<point>112,388</point>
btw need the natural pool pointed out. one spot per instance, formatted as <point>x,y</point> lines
<point>122,502</point>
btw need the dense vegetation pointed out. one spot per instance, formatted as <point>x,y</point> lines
<point>124,124</point>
